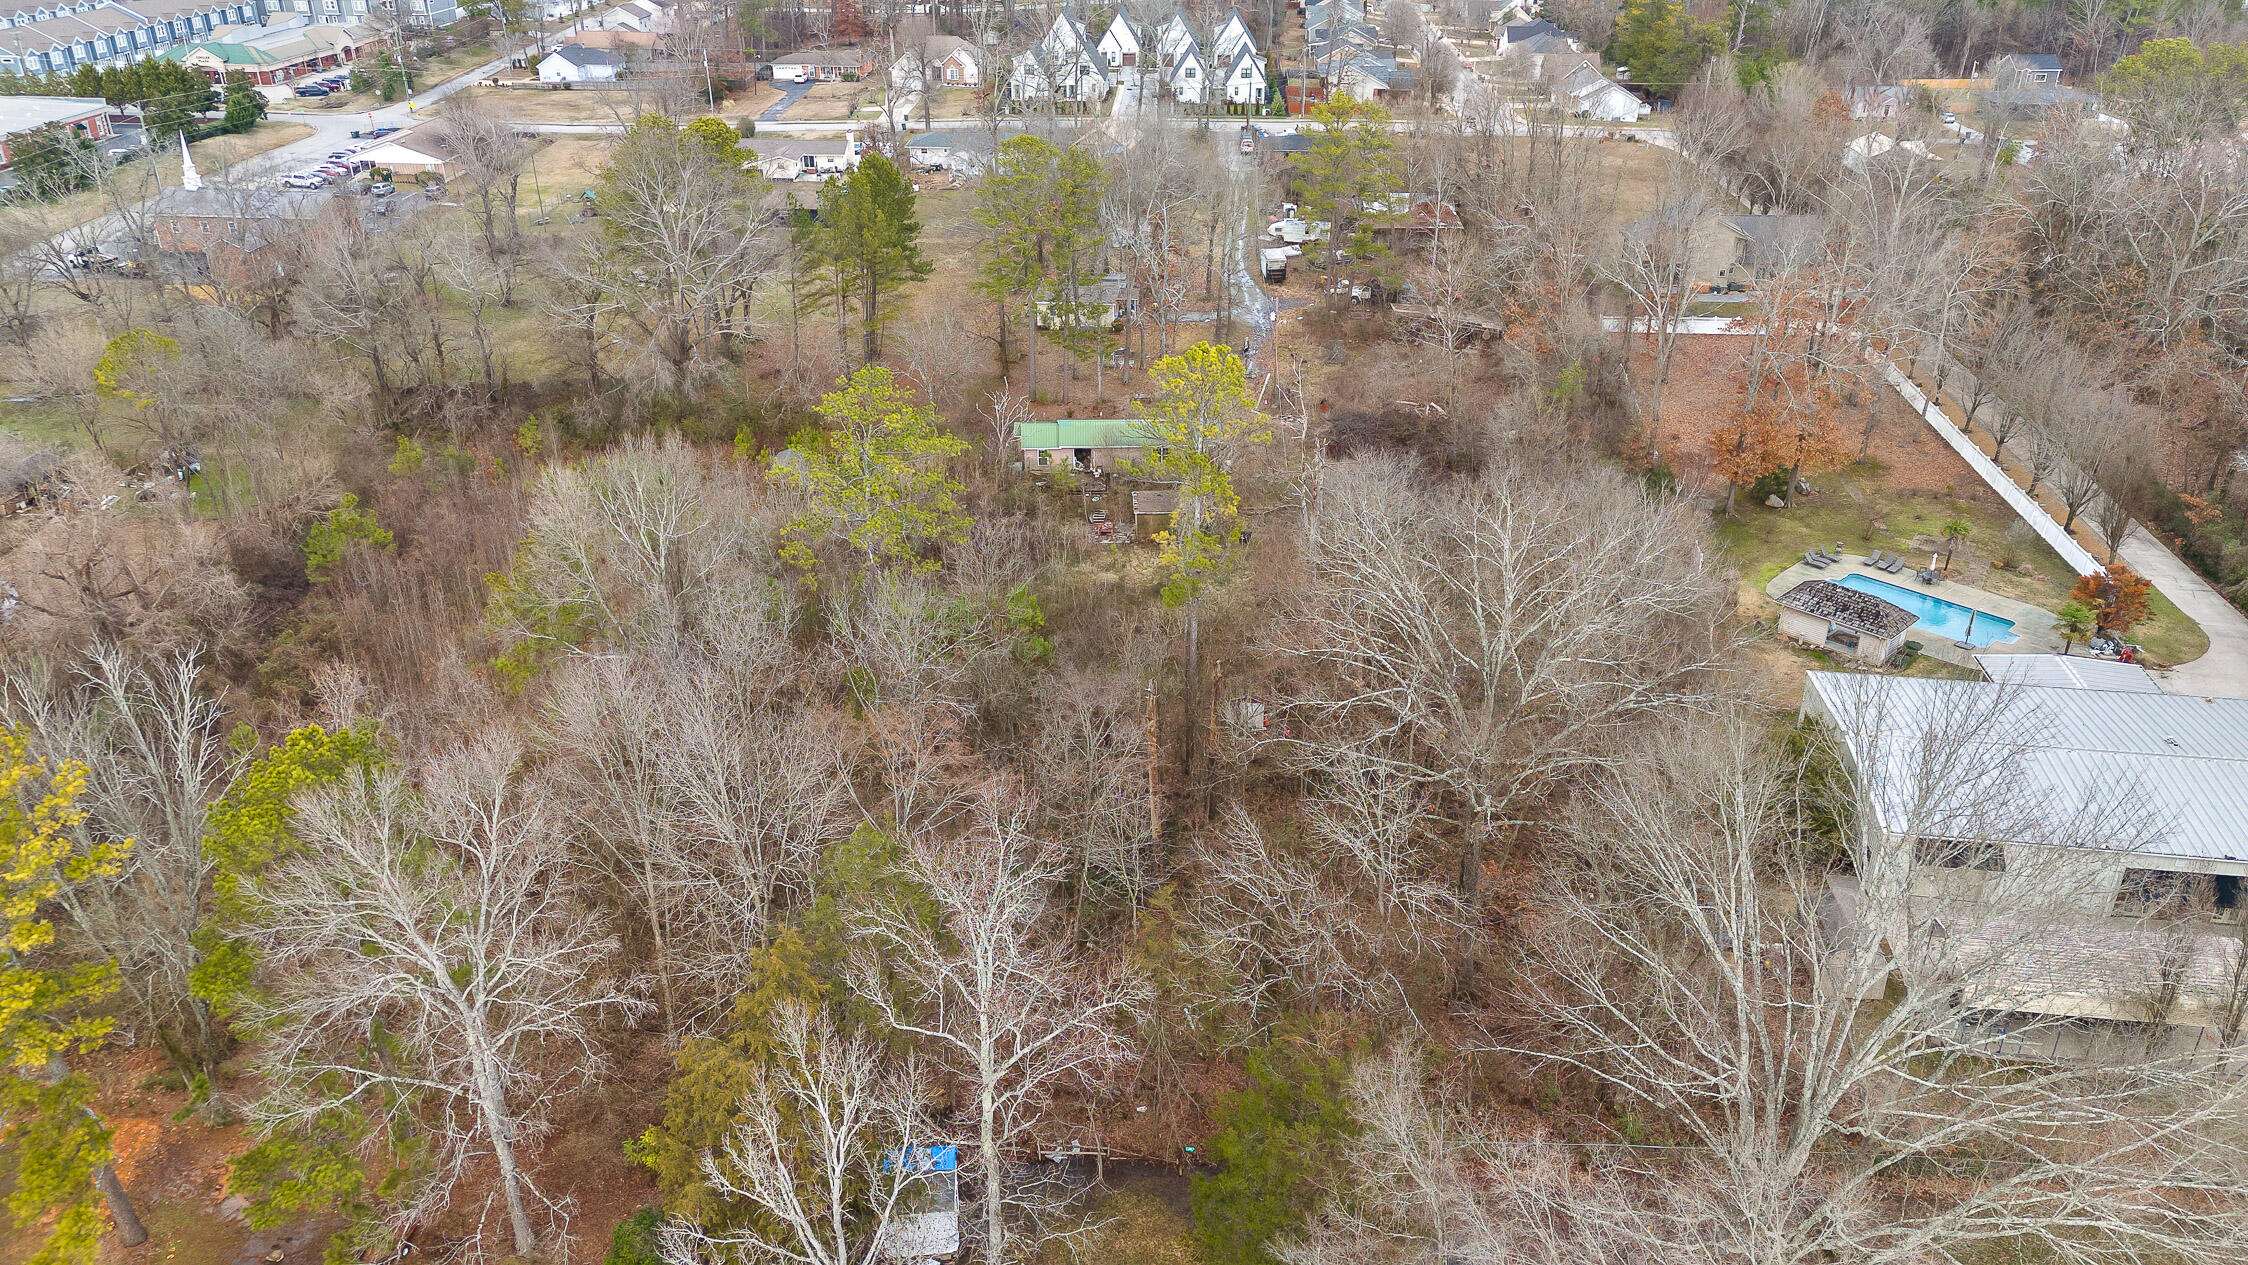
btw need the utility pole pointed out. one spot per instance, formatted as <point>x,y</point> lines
<point>1154,769</point>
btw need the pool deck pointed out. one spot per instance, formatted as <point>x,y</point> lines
<point>2033,625</point>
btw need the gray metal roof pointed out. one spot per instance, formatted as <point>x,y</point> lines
<point>2067,672</point>
<point>2183,757</point>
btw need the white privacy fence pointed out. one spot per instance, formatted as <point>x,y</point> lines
<point>2000,482</point>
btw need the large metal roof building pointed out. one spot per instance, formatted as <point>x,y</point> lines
<point>2184,757</point>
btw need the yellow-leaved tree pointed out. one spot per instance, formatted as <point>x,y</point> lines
<point>1203,419</point>
<point>59,1147</point>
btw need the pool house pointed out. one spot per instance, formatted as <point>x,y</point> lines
<point>1844,622</point>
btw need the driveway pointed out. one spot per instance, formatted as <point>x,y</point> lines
<point>791,93</point>
<point>2223,672</point>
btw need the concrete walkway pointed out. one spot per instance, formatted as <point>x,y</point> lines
<point>2223,672</point>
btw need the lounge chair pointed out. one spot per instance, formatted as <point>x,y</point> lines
<point>1877,559</point>
<point>1896,564</point>
<point>1813,558</point>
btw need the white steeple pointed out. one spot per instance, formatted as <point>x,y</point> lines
<point>190,179</point>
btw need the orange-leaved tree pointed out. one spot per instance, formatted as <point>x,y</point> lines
<point>2118,599</point>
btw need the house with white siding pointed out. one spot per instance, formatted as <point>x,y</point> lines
<point>1125,43</point>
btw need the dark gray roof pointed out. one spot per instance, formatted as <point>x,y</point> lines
<point>2038,96</point>
<point>580,55</point>
<point>1766,234</point>
<point>233,204</point>
<point>2039,61</point>
<point>1859,612</point>
<point>1543,42</point>
<point>1524,30</point>
<point>972,140</point>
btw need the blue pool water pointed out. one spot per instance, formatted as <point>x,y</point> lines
<point>1945,619</point>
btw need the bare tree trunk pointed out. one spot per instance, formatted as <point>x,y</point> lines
<point>491,1103</point>
<point>130,1231</point>
<point>995,1226</point>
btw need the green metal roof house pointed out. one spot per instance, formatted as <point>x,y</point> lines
<point>1083,432</point>
<point>1086,442</point>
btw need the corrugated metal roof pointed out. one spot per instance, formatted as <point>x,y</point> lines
<point>1083,432</point>
<point>2067,672</point>
<point>2184,758</point>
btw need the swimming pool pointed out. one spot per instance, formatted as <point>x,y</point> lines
<point>1947,620</point>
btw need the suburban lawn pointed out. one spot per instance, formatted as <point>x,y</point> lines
<point>835,101</point>
<point>1763,542</point>
<point>535,105</point>
<point>425,74</point>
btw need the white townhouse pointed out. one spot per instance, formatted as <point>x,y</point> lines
<point>1245,80</point>
<point>1187,75</point>
<point>1233,37</point>
<point>59,36</point>
<point>1124,43</point>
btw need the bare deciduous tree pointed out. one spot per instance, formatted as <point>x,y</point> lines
<point>156,755</point>
<point>1761,957</point>
<point>1495,639</point>
<point>820,1150</point>
<point>1654,264</point>
<point>632,548</point>
<point>991,989</point>
<point>442,920</point>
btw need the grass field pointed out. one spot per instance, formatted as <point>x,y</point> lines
<point>531,105</point>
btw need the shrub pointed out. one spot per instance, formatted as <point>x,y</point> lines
<point>1280,1141</point>
<point>1772,483</point>
<point>634,1242</point>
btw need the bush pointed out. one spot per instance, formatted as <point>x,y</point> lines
<point>1773,483</point>
<point>1279,1143</point>
<point>634,1242</point>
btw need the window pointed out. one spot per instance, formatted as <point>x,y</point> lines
<point>2166,894</point>
<point>2226,897</point>
<point>1959,854</point>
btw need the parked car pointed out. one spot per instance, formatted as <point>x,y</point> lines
<point>314,91</point>
<point>1948,117</point>
<point>382,188</point>
<point>339,153</point>
<point>87,259</point>
<point>304,182</point>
